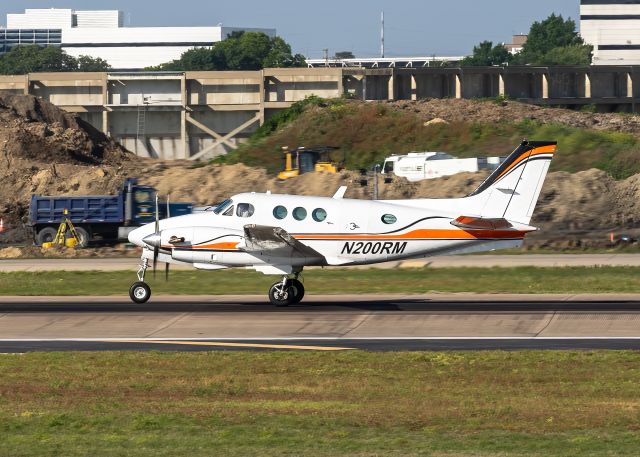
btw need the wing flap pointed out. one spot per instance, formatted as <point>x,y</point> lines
<point>484,223</point>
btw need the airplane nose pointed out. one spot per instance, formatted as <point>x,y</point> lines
<point>136,236</point>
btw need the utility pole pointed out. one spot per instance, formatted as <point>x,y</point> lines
<point>382,34</point>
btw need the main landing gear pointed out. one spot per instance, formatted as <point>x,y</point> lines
<point>287,292</point>
<point>140,291</point>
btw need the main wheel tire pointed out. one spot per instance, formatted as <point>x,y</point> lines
<point>298,290</point>
<point>281,296</point>
<point>83,237</point>
<point>140,292</point>
<point>46,235</point>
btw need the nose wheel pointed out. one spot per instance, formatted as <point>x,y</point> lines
<point>140,292</point>
<point>286,292</point>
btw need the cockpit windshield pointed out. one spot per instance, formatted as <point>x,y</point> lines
<point>222,206</point>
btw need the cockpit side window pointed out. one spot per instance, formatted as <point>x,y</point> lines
<point>228,211</point>
<point>245,210</point>
<point>223,206</point>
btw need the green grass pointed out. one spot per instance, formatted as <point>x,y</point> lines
<point>367,133</point>
<point>335,281</point>
<point>320,404</point>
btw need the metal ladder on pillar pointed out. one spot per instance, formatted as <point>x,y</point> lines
<point>142,119</point>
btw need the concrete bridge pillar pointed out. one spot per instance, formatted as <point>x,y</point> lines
<point>587,85</point>
<point>391,84</point>
<point>545,85</point>
<point>458,86</point>
<point>414,88</point>
<point>629,86</point>
<point>501,85</point>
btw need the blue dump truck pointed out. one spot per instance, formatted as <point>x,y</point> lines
<point>108,218</point>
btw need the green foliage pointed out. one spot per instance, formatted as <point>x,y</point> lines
<point>367,133</point>
<point>240,51</point>
<point>88,63</point>
<point>33,58</point>
<point>486,54</point>
<point>554,41</point>
<point>577,54</point>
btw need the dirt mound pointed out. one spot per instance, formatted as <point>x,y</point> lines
<point>33,129</point>
<point>474,111</point>
<point>46,151</point>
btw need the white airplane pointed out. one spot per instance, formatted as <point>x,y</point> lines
<point>281,234</point>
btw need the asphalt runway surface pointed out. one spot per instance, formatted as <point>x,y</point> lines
<point>453,261</point>
<point>321,323</point>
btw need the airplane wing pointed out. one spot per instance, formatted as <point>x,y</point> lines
<point>275,242</point>
<point>480,223</point>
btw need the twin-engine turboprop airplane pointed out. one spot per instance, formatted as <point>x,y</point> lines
<point>282,234</point>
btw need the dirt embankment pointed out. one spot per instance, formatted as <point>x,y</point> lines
<point>46,151</point>
<point>502,112</point>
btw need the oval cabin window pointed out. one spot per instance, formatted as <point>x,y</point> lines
<point>319,214</point>
<point>299,213</point>
<point>279,212</point>
<point>389,219</point>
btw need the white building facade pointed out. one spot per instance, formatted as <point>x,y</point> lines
<point>613,28</point>
<point>102,34</point>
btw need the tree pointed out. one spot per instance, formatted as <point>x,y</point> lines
<point>486,54</point>
<point>88,63</point>
<point>344,55</point>
<point>33,58</point>
<point>240,51</point>
<point>545,40</point>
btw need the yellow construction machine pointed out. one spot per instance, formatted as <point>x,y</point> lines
<point>61,238</point>
<point>303,160</point>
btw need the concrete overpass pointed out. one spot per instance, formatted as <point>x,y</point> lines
<point>204,114</point>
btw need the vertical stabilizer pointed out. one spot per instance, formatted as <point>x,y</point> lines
<point>511,191</point>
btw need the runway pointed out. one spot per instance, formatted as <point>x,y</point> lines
<point>453,261</point>
<point>322,323</point>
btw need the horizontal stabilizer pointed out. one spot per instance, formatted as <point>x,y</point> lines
<point>471,222</point>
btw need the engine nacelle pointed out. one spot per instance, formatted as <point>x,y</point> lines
<point>200,244</point>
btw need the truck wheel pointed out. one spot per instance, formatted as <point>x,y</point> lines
<point>46,235</point>
<point>83,237</point>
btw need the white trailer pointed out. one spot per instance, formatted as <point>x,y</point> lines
<point>417,166</point>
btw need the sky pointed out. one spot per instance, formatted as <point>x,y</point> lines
<point>412,27</point>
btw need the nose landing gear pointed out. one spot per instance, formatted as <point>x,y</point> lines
<point>140,291</point>
<point>289,291</point>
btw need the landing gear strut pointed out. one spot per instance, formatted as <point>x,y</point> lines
<point>140,291</point>
<point>287,292</point>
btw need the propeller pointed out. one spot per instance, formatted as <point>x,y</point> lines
<point>156,247</point>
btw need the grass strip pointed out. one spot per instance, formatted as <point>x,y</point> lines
<point>505,404</point>
<point>335,281</point>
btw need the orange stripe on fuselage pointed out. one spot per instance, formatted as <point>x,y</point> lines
<point>219,246</point>
<point>423,234</point>
<point>534,152</point>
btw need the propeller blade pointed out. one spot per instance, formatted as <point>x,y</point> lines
<point>157,215</point>
<point>166,272</point>
<point>156,250</point>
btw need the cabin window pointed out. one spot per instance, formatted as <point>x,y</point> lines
<point>245,210</point>
<point>228,212</point>
<point>279,212</point>
<point>319,214</point>
<point>299,213</point>
<point>389,219</point>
